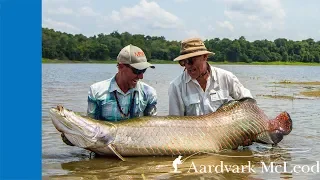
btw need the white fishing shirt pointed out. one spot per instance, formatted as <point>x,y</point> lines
<point>186,97</point>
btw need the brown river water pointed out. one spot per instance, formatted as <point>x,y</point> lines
<point>297,156</point>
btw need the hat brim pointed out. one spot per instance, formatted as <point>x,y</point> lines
<point>198,53</point>
<point>142,65</point>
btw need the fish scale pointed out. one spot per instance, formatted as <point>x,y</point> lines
<point>227,128</point>
<point>172,137</point>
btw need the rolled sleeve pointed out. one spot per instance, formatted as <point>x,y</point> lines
<point>176,106</point>
<point>92,109</point>
<point>238,91</point>
<point>151,109</point>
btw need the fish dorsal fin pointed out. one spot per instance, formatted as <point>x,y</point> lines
<point>234,104</point>
<point>228,106</point>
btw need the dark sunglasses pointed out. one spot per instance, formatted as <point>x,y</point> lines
<point>136,71</point>
<point>189,61</point>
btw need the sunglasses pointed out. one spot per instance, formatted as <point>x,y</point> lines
<point>188,61</point>
<point>136,71</point>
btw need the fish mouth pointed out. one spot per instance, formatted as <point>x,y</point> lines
<point>59,121</point>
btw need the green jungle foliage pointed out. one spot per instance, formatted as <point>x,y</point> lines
<point>105,47</point>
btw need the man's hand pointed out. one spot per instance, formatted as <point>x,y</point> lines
<point>65,140</point>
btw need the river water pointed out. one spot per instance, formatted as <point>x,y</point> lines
<point>296,156</point>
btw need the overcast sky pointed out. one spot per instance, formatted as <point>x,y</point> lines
<point>179,19</point>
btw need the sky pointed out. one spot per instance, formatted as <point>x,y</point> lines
<point>180,19</point>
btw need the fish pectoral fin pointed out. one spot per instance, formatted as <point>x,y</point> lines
<point>115,152</point>
<point>264,138</point>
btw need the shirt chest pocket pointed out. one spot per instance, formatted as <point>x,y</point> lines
<point>109,110</point>
<point>192,102</point>
<point>218,95</point>
<point>217,98</point>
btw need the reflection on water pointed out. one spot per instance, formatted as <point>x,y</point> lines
<point>241,164</point>
<point>67,84</point>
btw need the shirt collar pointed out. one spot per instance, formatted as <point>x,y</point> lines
<point>114,86</point>
<point>213,73</point>
<point>187,77</point>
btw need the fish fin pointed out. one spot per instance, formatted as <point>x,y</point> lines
<point>227,106</point>
<point>247,99</point>
<point>264,138</point>
<point>233,104</point>
<point>280,126</point>
<point>115,152</point>
<point>276,136</point>
<point>283,123</point>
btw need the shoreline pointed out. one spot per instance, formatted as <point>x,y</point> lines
<point>55,61</point>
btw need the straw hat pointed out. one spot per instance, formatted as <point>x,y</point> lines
<point>192,47</point>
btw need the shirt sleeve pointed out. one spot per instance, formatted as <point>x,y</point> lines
<point>151,109</point>
<point>176,105</point>
<point>92,110</point>
<point>237,90</point>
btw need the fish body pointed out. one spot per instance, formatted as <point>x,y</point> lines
<point>233,125</point>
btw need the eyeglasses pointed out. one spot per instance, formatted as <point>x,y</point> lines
<point>136,71</point>
<point>189,61</point>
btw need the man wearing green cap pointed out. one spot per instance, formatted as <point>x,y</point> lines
<point>201,88</point>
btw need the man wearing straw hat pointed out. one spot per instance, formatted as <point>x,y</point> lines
<point>201,88</point>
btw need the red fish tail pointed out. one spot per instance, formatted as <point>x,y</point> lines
<point>282,123</point>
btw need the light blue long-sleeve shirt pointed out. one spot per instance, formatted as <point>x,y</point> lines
<point>102,104</point>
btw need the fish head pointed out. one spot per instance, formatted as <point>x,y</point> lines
<point>82,131</point>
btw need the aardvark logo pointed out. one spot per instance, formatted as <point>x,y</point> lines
<point>175,164</point>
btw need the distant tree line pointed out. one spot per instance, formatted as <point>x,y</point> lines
<point>64,46</point>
